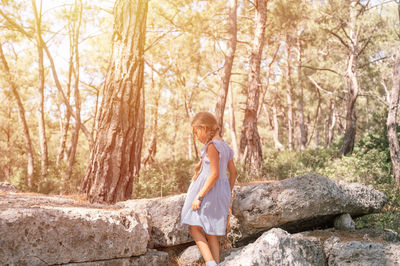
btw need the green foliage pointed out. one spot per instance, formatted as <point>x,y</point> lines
<point>164,178</point>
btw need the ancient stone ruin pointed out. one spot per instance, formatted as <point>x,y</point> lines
<point>305,220</point>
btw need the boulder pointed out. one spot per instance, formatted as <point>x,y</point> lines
<point>151,258</point>
<point>164,214</point>
<point>344,222</point>
<point>37,230</point>
<point>191,256</point>
<point>298,204</point>
<point>359,253</point>
<point>278,247</point>
<point>7,187</point>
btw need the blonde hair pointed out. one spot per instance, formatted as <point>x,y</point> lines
<point>209,121</point>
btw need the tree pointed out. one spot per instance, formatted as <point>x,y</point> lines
<point>226,71</point>
<point>392,115</point>
<point>42,128</point>
<point>391,119</point>
<point>21,111</point>
<point>75,38</point>
<point>250,145</point>
<point>115,157</point>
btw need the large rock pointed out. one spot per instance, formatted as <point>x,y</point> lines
<point>37,230</point>
<point>164,224</point>
<point>360,253</point>
<point>298,204</point>
<point>278,247</point>
<point>151,258</point>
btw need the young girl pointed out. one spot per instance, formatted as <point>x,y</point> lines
<point>207,202</point>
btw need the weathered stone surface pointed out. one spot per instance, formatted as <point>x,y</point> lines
<point>165,215</point>
<point>7,187</point>
<point>344,222</point>
<point>60,231</point>
<point>360,253</point>
<point>191,256</point>
<point>278,247</point>
<point>300,203</point>
<point>151,258</point>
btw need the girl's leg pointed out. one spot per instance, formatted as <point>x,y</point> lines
<point>201,242</point>
<point>214,246</point>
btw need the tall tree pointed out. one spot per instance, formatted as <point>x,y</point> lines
<point>42,127</point>
<point>226,71</point>
<point>351,77</point>
<point>250,145</point>
<point>115,157</point>
<point>75,134</point>
<point>21,112</point>
<point>392,115</point>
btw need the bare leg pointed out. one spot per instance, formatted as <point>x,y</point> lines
<point>214,246</point>
<point>201,242</point>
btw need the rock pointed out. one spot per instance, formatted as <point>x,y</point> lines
<point>191,256</point>
<point>344,222</point>
<point>278,247</point>
<point>59,231</point>
<point>165,215</point>
<point>151,258</point>
<point>358,247</point>
<point>7,187</point>
<point>300,203</point>
<point>362,253</point>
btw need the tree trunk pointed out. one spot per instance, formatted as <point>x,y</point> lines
<point>226,70</point>
<point>115,157</point>
<point>152,146</point>
<point>250,140</point>
<point>75,133</point>
<point>42,127</point>
<point>66,121</point>
<point>332,121</point>
<point>232,123</point>
<point>277,143</point>
<point>289,95</point>
<point>391,119</point>
<point>352,83</point>
<point>302,128</point>
<point>21,112</point>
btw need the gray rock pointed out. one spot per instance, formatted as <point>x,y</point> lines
<point>59,232</point>
<point>344,222</point>
<point>358,253</point>
<point>7,187</point>
<point>151,258</point>
<point>358,247</point>
<point>277,247</point>
<point>165,214</point>
<point>191,256</point>
<point>300,203</point>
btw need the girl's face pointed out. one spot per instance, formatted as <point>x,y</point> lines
<point>201,133</point>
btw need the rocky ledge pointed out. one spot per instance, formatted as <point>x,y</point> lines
<point>44,230</point>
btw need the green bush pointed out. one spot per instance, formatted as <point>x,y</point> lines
<point>164,178</point>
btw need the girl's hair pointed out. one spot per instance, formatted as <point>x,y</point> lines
<point>209,121</point>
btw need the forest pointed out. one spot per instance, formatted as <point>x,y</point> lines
<point>97,96</point>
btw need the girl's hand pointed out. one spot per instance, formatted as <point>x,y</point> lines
<point>196,204</point>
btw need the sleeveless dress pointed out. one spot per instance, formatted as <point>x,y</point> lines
<point>213,212</point>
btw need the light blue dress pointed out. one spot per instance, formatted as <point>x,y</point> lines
<point>213,212</point>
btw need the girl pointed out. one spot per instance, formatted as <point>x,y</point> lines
<point>207,202</point>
